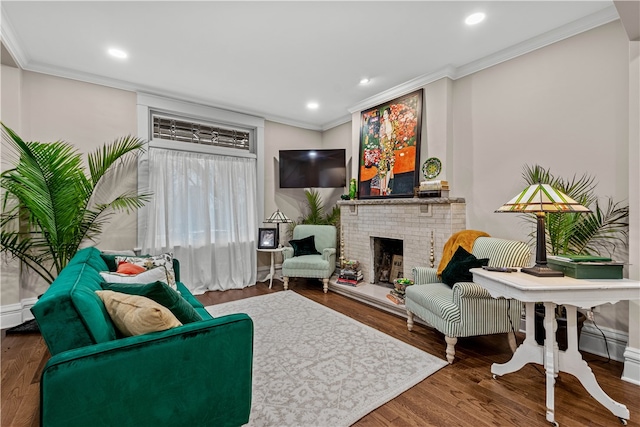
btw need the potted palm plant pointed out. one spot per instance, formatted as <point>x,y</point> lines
<point>51,206</point>
<point>602,230</point>
<point>315,212</point>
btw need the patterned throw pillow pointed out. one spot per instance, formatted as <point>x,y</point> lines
<point>164,260</point>
<point>137,315</point>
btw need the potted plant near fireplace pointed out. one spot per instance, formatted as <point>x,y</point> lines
<point>594,233</point>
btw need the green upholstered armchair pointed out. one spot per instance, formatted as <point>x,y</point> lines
<point>467,309</point>
<point>320,266</point>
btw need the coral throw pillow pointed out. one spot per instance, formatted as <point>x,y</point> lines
<point>128,268</point>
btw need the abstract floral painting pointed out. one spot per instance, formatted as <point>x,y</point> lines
<point>390,148</point>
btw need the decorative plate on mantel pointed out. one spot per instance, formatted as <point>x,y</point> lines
<point>431,167</point>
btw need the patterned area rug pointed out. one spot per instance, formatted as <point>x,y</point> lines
<point>313,366</point>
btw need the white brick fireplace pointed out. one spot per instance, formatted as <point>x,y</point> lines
<point>411,220</point>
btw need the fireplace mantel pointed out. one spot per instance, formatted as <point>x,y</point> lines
<point>403,201</point>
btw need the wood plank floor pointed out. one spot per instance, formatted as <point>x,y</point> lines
<point>462,394</point>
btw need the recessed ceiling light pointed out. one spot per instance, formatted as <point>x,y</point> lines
<point>312,105</point>
<point>475,18</point>
<point>117,53</point>
<point>364,81</point>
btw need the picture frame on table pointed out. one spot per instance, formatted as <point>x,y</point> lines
<point>267,238</point>
<point>390,148</point>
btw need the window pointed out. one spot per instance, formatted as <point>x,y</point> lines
<point>199,133</point>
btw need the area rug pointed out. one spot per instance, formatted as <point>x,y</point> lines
<point>313,366</point>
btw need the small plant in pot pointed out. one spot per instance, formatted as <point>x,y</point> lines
<point>602,230</point>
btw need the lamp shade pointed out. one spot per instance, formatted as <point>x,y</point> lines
<point>542,198</point>
<point>278,217</point>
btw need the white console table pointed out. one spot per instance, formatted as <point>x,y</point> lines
<point>553,291</point>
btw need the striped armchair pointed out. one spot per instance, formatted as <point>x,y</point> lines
<point>467,309</point>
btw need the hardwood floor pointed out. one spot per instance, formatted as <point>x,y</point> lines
<point>462,394</point>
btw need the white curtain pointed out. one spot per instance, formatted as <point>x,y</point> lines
<point>204,211</point>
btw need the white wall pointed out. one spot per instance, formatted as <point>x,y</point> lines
<point>44,108</point>
<point>564,107</point>
<point>10,84</point>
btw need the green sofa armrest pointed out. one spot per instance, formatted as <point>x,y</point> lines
<point>423,275</point>
<point>196,374</point>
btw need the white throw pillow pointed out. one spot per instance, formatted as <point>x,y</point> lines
<point>137,315</point>
<point>149,276</point>
<point>164,261</point>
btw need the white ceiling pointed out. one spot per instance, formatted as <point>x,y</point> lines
<point>271,58</point>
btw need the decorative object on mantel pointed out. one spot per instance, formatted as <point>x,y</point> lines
<point>540,199</point>
<point>353,189</point>
<point>389,148</point>
<point>431,168</point>
<point>433,188</point>
<point>277,218</point>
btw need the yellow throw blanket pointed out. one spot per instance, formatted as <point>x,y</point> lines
<point>464,238</point>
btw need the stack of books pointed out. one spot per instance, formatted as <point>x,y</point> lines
<point>435,188</point>
<point>396,295</point>
<point>350,277</point>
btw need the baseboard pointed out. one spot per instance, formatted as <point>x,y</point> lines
<point>15,314</point>
<point>631,372</point>
<point>592,341</point>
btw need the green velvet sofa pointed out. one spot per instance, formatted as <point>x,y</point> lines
<point>193,375</point>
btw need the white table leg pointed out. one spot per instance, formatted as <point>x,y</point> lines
<point>550,357</point>
<point>272,270</point>
<point>571,362</point>
<point>528,352</point>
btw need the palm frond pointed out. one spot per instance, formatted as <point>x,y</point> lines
<point>20,247</point>
<point>580,233</point>
<point>101,160</point>
<point>49,196</point>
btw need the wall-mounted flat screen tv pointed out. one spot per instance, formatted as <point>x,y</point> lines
<point>313,168</point>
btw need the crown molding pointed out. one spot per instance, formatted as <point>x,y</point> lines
<point>571,29</point>
<point>604,16</point>
<point>403,88</point>
<point>576,27</point>
<point>9,39</point>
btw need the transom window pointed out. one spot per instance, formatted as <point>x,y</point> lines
<point>200,133</point>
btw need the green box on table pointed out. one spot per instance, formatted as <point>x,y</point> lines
<point>601,269</point>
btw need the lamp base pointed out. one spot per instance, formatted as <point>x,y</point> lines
<point>542,271</point>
